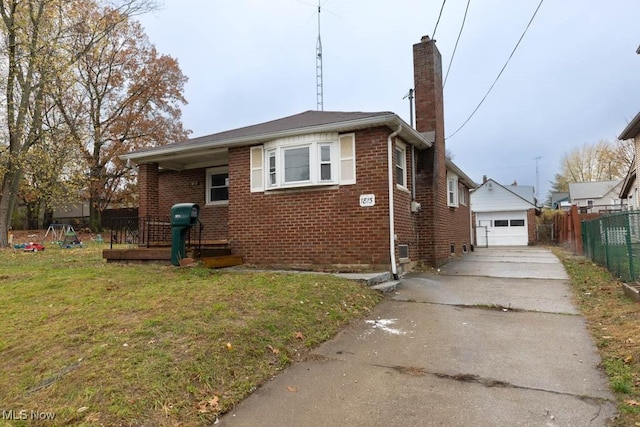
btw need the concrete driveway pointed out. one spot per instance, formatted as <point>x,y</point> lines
<point>492,340</point>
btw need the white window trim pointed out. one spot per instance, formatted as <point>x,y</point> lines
<point>313,166</point>
<point>315,143</point>
<point>403,149</point>
<point>215,171</point>
<point>462,195</point>
<point>452,190</point>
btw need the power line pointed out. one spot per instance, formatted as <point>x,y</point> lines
<point>500,73</point>
<point>438,21</point>
<point>456,46</point>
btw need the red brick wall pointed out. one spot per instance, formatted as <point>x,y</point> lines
<point>316,227</point>
<point>405,221</point>
<point>431,181</point>
<point>189,186</point>
<point>531,223</point>
<point>148,189</point>
<point>459,224</point>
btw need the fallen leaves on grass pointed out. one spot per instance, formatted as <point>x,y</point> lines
<point>273,349</point>
<point>299,335</point>
<point>632,402</point>
<point>209,405</point>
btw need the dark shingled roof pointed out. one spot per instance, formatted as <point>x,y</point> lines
<point>303,120</point>
<point>208,148</point>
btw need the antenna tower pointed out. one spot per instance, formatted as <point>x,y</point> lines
<point>319,85</point>
<point>537,159</point>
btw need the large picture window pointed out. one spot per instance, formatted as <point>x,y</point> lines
<point>297,165</point>
<point>307,160</point>
<point>218,185</point>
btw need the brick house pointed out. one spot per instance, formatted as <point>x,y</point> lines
<point>324,190</point>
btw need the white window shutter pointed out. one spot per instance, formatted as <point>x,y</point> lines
<point>347,159</point>
<point>257,169</point>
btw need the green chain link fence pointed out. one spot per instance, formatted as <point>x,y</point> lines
<point>613,241</point>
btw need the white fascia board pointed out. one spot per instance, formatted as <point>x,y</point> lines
<point>409,134</point>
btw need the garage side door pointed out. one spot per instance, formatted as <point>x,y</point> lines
<point>504,228</point>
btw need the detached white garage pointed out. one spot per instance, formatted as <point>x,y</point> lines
<point>502,214</point>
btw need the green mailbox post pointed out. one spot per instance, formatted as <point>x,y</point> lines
<point>183,217</point>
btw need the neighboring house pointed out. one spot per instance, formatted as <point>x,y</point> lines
<point>504,215</point>
<point>596,197</point>
<point>73,211</point>
<point>324,190</point>
<point>629,191</point>
<point>560,200</point>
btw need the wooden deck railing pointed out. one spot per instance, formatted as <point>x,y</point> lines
<point>150,231</point>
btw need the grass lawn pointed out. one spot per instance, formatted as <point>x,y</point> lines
<point>614,322</point>
<point>112,344</point>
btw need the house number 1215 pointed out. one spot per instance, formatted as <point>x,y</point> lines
<point>367,200</point>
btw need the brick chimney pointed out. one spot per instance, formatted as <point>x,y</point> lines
<point>431,180</point>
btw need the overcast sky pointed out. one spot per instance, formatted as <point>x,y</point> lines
<point>574,79</point>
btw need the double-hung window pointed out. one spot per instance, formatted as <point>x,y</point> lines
<point>325,159</point>
<point>302,161</point>
<point>452,190</point>
<point>401,165</point>
<point>217,185</point>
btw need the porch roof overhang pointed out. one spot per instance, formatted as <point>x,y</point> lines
<point>632,130</point>
<point>212,149</point>
<point>629,180</point>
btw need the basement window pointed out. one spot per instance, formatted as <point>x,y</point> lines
<point>403,251</point>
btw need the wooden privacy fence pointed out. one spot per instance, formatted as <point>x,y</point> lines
<point>568,228</point>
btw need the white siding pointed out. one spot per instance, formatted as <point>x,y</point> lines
<point>507,235</point>
<point>491,197</point>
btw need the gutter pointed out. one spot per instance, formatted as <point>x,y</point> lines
<point>412,136</point>
<point>392,231</point>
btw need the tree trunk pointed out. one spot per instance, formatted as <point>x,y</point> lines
<point>32,215</point>
<point>8,196</point>
<point>95,216</point>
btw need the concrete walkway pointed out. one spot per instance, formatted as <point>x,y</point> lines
<point>493,340</point>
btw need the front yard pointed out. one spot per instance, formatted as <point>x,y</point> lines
<point>106,344</point>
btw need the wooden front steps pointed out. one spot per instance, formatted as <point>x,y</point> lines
<point>222,261</point>
<point>213,254</point>
<point>137,254</point>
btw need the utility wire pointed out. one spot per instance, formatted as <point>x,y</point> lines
<point>433,37</point>
<point>501,71</point>
<point>456,46</point>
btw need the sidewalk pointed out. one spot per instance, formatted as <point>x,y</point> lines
<point>494,340</point>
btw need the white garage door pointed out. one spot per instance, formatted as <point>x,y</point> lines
<point>502,228</point>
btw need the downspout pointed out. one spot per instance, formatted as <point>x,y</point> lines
<point>472,226</point>
<point>392,231</point>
